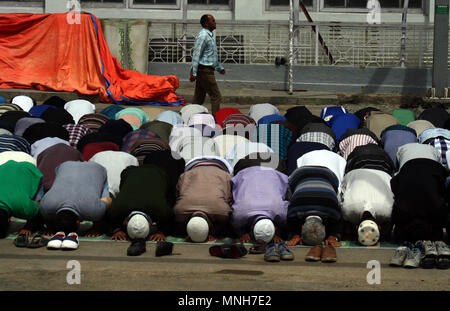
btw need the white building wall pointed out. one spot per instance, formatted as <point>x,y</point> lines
<point>244,10</point>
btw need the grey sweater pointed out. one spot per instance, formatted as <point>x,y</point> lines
<point>78,187</point>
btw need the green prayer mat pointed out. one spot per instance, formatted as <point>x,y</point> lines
<point>17,224</point>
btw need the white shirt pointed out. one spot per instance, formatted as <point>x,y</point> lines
<point>78,108</point>
<point>241,150</point>
<point>44,143</point>
<point>114,162</point>
<point>366,190</point>
<point>226,142</point>
<point>17,156</point>
<point>413,151</point>
<point>325,158</point>
<point>189,110</point>
<point>258,111</point>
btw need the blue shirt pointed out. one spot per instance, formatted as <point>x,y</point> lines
<point>205,52</point>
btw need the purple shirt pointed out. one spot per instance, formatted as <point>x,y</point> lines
<point>255,200</point>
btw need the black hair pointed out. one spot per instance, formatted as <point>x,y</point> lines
<point>66,221</point>
<point>204,20</point>
<point>4,223</point>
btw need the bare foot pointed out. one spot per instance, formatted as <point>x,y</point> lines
<point>277,239</point>
<point>296,239</point>
<point>245,238</point>
<point>92,234</point>
<point>211,238</point>
<point>332,240</point>
<point>24,231</point>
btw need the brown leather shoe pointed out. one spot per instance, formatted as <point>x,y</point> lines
<point>329,254</point>
<point>314,254</point>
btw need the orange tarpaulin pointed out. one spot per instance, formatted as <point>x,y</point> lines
<point>46,52</point>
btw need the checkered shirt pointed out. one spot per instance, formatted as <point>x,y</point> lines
<point>76,132</point>
<point>205,51</point>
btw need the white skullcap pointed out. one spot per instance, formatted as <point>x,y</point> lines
<point>197,228</point>
<point>24,102</point>
<point>138,227</point>
<point>264,230</point>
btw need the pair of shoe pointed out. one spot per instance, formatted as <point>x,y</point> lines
<point>407,256</point>
<point>137,247</point>
<point>325,253</point>
<point>425,254</point>
<point>259,247</point>
<point>61,241</point>
<point>278,251</point>
<point>435,254</point>
<point>234,251</point>
<point>36,240</point>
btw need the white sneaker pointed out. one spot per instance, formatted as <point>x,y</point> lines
<point>70,242</point>
<point>368,233</point>
<point>399,256</point>
<point>56,240</point>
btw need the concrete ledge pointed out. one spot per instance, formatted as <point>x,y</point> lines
<point>40,96</point>
<point>407,81</point>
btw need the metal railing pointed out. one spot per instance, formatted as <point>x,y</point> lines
<point>251,42</point>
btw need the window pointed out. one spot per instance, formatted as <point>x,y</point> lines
<point>22,3</point>
<point>155,4</point>
<point>212,4</point>
<point>361,4</point>
<point>102,3</point>
<point>283,5</point>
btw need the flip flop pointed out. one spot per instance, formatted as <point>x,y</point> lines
<point>228,250</point>
<point>37,240</point>
<point>21,240</point>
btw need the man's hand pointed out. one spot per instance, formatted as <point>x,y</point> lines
<point>119,236</point>
<point>158,236</point>
<point>107,200</point>
<point>222,72</point>
<point>192,78</point>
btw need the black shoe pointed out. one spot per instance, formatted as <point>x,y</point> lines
<point>163,248</point>
<point>136,248</point>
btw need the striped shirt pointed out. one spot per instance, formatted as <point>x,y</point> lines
<point>205,52</point>
<point>318,137</point>
<point>442,144</point>
<point>347,145</point>
<point>14,143</point>
<point>276,136</point>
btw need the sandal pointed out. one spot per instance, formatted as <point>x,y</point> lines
<point>259,247</point>
<point>228,250</point>
<point>37,240</point>
<point>21,240</point>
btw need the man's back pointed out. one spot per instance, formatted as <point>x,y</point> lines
<point>78,186</point>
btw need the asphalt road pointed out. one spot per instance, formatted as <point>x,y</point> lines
<point>104,266</point>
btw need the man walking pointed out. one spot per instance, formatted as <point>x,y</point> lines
<point>204,62</point>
